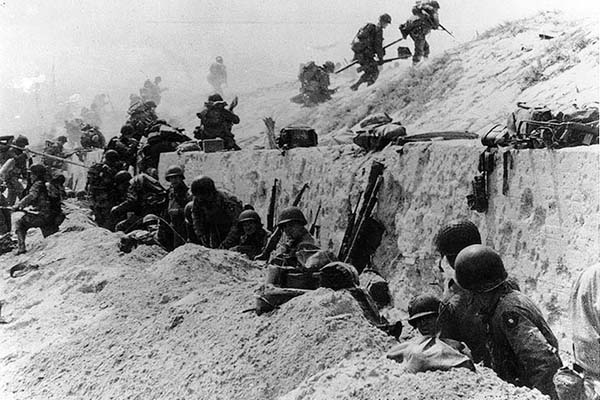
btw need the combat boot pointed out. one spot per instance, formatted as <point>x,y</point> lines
<point>21,242</point>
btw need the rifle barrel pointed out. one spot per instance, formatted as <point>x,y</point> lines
<point>49,156</point>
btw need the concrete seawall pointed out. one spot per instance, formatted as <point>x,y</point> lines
<point>545,224</point>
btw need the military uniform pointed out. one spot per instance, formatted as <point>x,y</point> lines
<point>368,44</point>
<point>19,171</point>
<point>39,200</point>
<point>126,147</point>
<point>424,19</point>
<point>250,245</point>
<point>144,196</point>
<point>315,84</point>
<point>215,221</point>
<point>523,349</point>
<point>103,196</point>
<point>217,76</point>
<point>178,198</point>
<point>288,249</point>
<point>216,122</point>
<point>585,316</point>
<point>459,320</point>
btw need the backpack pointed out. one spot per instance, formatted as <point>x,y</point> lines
<point>297,136</point>
<point>377,137</point>
<point>517,120</point>
<point>363,38</point>
<point>308,72</point>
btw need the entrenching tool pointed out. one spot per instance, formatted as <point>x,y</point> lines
<point>356,62</point>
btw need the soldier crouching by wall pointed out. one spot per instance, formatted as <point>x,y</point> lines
<point>214,213</point>
<point>251,237</point>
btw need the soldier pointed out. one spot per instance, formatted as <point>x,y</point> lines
<point>41,215</point>
<point>217,75</point>
<point>17,170</point>
<point>149,235</point>
<point>585,317</point>
<point>5,218</point>
<point>145,195</point>
<point>125,145</point>
<point>152,90</point>
<point>142,116</point>
<point>91,137</point>
<point>251,238</point>
<point>217,120</point>
<point>162,138</point>
<point>101,187</point>
<point>523,349</point>
<point>56,193</point>
<point>55,149</point>
<point>214,213</point>
<point>314,80</point>
<point>179,196</point>
<point>424,19</point>
<point>458,320</point>
<point>367,44</point>
<point>297,244</point>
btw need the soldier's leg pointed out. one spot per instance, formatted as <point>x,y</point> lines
<point>15,189</point>
<point>425,48</point>
<point>372,73</point>
<point>22,225</point>
<point>419,47</point>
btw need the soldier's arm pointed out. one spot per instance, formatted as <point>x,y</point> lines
<point>198,223</point>
<point>231,117</point>
<point>31,197</point>
<point>538,358</point>
<point>233,208</point>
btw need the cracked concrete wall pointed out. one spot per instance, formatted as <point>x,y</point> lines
<point>545,225</point>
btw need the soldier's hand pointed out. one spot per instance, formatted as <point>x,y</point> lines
<point>234,103</point>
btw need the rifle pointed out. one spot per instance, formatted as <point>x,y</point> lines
<point>351,233</point>
<point>314,227</point>
<point>276,236</point>
<point>13,209</point>
<point>356,62</point>
<point>49,156</point>
<point>350,226</point>
<point>447,31</point>
<point>368,209</point>
<point>272,202</point>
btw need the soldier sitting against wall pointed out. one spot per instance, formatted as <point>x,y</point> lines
<point>251,237</point>
<point>297,244</point>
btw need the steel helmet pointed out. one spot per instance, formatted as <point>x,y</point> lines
<point>479,269</point>
<point>291,214</point>
<point>202,186</point>
<point>127,130</point>
<point>150,218</point>
<point>219,59</point>
<point>454,237</point>
<point>62,139</point>
<point>173,170</point>
<point>38,170</point>
<point>249,215</point>
<point>215,97</point>
<point>329,66</point>
<point>422,306</point>
<point>122,177</point>
<point>21,141</point>
<point>385,18</point>
<point>111,156</point>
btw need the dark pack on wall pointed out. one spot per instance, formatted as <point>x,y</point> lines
<point>297,136</point>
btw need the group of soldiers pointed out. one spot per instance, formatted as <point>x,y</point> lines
<point>369,52</point>
<point>39,202</point>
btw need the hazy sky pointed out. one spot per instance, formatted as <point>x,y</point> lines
<point>91,46</point>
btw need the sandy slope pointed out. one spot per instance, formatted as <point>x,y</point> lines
<point>93,323</point>
<point>470,87</point>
